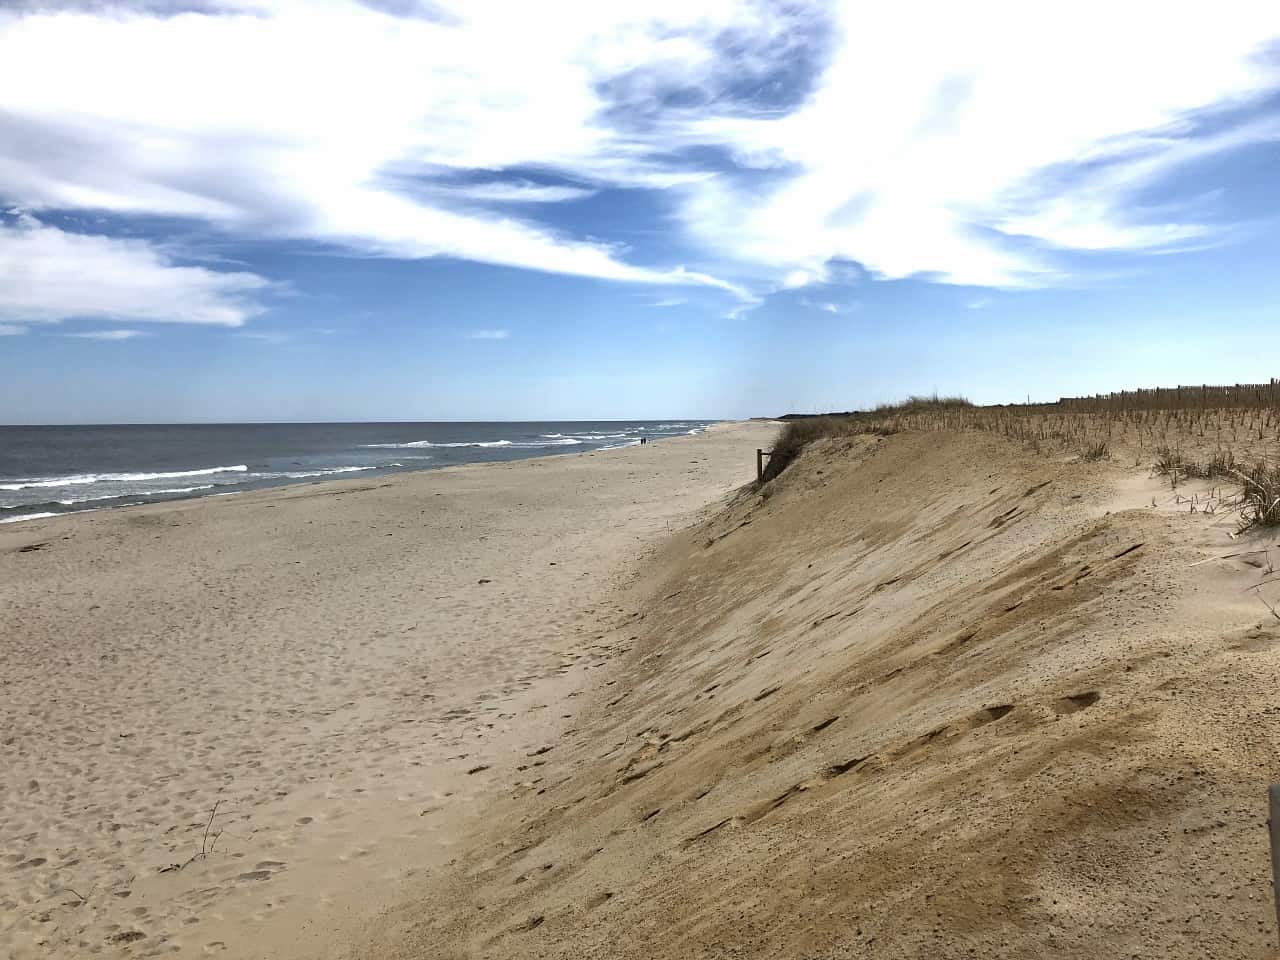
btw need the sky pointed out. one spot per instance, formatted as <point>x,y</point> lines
<point>483,209</point>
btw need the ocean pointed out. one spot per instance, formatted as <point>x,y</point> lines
<point>51,470</point>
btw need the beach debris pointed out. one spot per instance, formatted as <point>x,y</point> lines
<point>484,580</point>
<point>478,769</point>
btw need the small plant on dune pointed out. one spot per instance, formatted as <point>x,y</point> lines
<point>1260,495</point>
<point>1167,461</point>
<point>1221,464</point>
<point>1095,452</point>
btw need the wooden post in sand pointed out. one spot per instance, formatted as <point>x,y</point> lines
<point>759,465</point>
<point>1273,826</point>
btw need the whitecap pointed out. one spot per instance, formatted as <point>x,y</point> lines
<point>81,479</point>
<point>302,474</point>
<point>137,493</point>
<point>29,516</point>
<point>427,443</point>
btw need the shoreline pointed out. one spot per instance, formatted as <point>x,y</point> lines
<point>331,678</point>
<point>334,475</point>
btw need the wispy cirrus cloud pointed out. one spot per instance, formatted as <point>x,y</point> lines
<point>518,191</point>
<point>346,157</point>
<point>829,306</point>
<point>109,335</point>
<point>912,139</point>
<point>265,336</point>
<point>488,334</point>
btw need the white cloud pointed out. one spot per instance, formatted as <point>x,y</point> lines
<point>519,191</point>
<point>108,334</point>
<point>743,307</point>
<point>286,144</point>
<point>47,275</point>
<point>669,302</point>
<point>827,306</point>
<point>942,137</point>
<point>969,143</point>
<point>11,330</point>
<point>489,335</point>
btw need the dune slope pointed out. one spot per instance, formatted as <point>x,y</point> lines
<point>922,696</point>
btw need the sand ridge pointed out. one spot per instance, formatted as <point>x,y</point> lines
<point>347,671</point>
<point>928,695</point>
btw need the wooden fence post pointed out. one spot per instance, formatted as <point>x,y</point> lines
<point>759,465</point>
<point>1273,827</point>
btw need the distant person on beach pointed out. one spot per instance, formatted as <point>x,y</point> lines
<point>643,441</point>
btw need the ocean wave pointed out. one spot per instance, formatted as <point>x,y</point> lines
<point>29,516</point>
<point>415,444</point>
<point>139,493</point>
<point>303,474</point>
<point>621,446</point>
<point>81,479</point>
<point>547,441</point>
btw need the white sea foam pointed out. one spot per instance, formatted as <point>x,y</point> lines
<point>620,446</point>
<point>302,474</point>
<point>139,493</point>
<point>29,516</point>
<point>82,479</point>
<point>414,444</point>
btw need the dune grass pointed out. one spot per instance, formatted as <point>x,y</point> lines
<point>1183,432</point>
<point>1260,494</point>
<point>800,432</point>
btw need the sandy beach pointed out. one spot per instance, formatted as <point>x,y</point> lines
<point>931,694</point>
<point>245,725</point>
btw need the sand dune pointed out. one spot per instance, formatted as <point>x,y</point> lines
<point>923,696</point>
<point>241,726</point>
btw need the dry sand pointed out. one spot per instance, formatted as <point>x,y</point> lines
<point>350,673</point>
<point>926,696</point>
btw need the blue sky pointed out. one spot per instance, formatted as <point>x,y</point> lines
<point>276,209</point>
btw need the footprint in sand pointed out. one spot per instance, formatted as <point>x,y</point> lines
<point>263,870</point>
